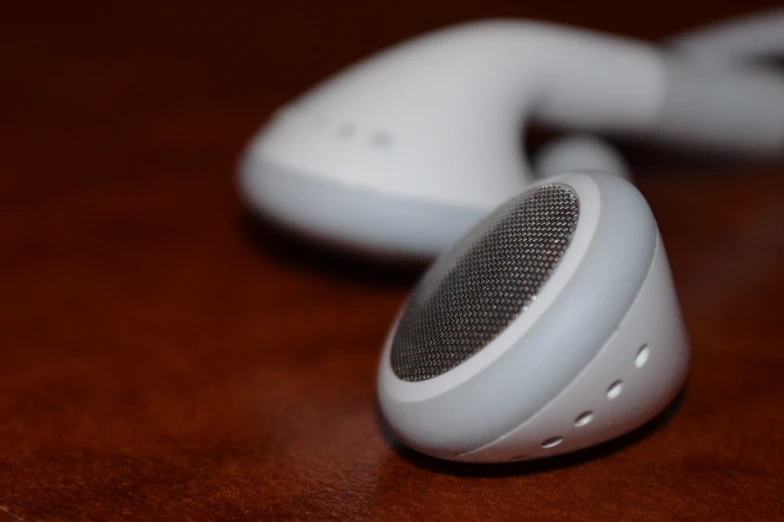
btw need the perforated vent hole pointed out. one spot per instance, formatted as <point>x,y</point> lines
<point>615,389</point>
<point>552,442</point>
<point>642,356</point>
<point>583,419</point>
<point>381,139</point>
<point>346,130</point>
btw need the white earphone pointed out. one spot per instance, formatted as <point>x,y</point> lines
<point>400,154</point>
<point>553,324</point>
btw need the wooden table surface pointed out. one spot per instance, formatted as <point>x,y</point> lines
<point>163,358</point>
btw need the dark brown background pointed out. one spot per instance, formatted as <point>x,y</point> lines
<point>163,359</point>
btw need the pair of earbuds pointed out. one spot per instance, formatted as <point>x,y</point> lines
<point>549,321</point>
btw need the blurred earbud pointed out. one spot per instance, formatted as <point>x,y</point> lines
<point>403,152</point>
<point>578,152</point>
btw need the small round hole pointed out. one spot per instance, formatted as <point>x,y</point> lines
<point>552,442</point>
<point>381,139</point>
<point>642,356</point>
<point>584,418</point>
<point>615,389</point>
<point>346,130</point>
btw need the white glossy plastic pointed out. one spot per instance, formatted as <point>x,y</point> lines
<point>578,152</point>
<point>742,39</point>
<point>653,325</point>
<point>436,123</point>
<point>538,372</point>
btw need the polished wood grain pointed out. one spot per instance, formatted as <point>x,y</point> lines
<point>163,357</point>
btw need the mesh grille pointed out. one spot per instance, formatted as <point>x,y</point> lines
<point>483,283</point>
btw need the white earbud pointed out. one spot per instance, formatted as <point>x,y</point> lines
<point>400,154</point>
<point>578,152</point>
<point>552,326</point>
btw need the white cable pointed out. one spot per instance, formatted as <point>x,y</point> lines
<point>745,38</point>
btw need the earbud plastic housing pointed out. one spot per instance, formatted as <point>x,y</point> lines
<point>401,153</point>
<point>601,350</point>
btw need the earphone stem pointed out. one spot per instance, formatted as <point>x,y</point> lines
<point>737,110</point>
<point>578,152</point>
<point>741,39</point>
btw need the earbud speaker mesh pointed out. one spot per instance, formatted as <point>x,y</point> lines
<point>474,291</point>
